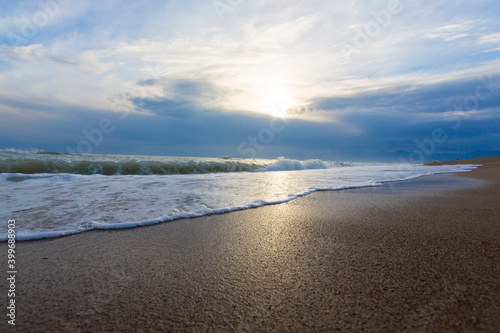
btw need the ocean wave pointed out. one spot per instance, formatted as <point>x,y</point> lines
<point>36,166</point>
<point>19,151</point>
<point>284,164</point>
<point>53,205</point>
<point>41,162</point>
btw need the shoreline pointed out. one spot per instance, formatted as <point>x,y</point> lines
<point>415,255</point>
<point>50,234</point>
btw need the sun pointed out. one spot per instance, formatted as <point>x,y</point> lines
<point>277,100</point>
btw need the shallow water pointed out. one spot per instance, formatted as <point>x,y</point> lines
<point>56,204</point>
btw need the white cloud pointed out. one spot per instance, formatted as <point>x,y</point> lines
<point>490,39</point>
<point>258,44</point>
<point>278,35</point>
<point>27,53</point>
<point>452,32</point>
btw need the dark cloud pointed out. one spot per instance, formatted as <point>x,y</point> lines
<point>473,94</point>
<point>182,97</point>
<point>370,129</point>
<point>150,82</point>
<point>193,88</point>
<point>176,108</point>
<point>65,61</point>
<point>25,104</point>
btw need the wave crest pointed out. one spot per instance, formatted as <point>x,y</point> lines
<point>284,164</point>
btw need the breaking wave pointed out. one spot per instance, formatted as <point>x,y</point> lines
<point>15,162</point>
<point>284,164</point>
<point>34,166</point>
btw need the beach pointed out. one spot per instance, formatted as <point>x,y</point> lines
<point>421,255</point>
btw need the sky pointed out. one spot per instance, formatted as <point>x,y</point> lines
<point>388,80</point>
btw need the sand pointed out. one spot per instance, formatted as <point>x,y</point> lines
<point>422,255</point>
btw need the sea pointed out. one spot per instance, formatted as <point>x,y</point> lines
<point>51,194</point>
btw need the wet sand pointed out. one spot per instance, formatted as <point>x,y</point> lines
<point>422,255</point>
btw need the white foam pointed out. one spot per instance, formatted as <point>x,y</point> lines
<point>284,164</point>
<point>52,205</point>
<point>19,151</point>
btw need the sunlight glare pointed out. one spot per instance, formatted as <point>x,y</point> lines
<point>277,101</point>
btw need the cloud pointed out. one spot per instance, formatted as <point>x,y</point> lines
<point>178,65</point>
<point>490,38</point>
<point>179,97</point>
<point>468,95</point>
<point>279,35</point>
<point>452,32</point>
<point>23,54</point>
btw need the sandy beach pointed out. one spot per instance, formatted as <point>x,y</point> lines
<point>421,255</point>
